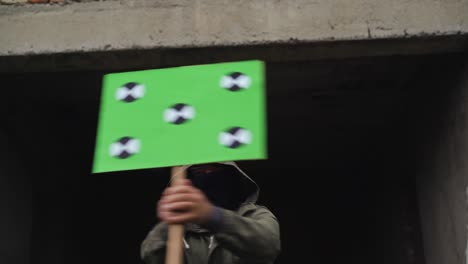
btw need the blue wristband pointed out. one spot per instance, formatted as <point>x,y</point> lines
<point>215,221</point>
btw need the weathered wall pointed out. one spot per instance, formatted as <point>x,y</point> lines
<point>442,173</point>
<point>135,24</point>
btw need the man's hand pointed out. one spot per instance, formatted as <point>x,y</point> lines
<point>182,203</point>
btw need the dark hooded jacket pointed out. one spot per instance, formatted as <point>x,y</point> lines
<point>249,234</point>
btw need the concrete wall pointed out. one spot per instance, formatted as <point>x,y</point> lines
<point>108,27</point>
<point>443,168</point>
<point>146,24</point>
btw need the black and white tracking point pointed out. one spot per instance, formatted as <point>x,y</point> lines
<point>235,137</point>
<point>125,147</point>
<point>235,81</point>
<point>130,92</point>
<point>179,113</point>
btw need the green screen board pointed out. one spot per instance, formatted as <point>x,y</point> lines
<point>182,115</point>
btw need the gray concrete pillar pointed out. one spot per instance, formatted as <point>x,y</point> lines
<point>442,170</point>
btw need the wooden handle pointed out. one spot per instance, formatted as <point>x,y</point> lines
<point>174,249</point>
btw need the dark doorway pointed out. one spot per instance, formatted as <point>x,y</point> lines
<point>339,174</point>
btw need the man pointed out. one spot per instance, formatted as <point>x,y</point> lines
<point>223,224</point>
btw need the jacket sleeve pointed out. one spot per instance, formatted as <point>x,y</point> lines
<point>255,236</point>
<point>153,247</point>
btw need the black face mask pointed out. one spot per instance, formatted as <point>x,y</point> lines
<point>222,187</point>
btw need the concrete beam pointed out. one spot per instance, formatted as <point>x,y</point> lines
<point>159,58</point>
<point>148,24</point>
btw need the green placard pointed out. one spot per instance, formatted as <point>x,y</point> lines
<point>182,115</point>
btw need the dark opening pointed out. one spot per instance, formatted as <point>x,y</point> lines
<point>339,175</point>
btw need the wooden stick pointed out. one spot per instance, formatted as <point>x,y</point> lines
<point>174,249</point>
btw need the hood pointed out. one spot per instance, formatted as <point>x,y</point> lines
<point>250,190</point>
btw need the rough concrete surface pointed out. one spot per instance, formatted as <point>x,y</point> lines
<point>145,24</point>
<point>21,2</point>
<point>12,2</point>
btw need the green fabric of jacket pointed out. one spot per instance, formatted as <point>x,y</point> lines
<point>249,235</point>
